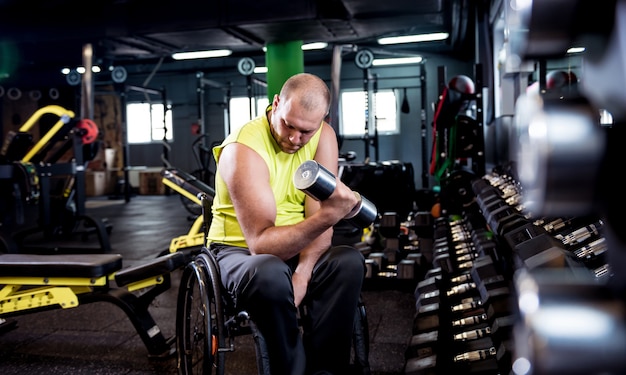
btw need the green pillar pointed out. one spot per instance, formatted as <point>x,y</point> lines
<point>282,60</point>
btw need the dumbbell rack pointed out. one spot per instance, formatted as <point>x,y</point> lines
<point>470,313</point>
<point>398,257</point>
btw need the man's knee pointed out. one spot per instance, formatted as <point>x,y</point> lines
<point>348,258</point>
<point>341,263</point>
<point>270,276</point>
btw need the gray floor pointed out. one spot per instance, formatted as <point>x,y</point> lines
<point>98,338</point>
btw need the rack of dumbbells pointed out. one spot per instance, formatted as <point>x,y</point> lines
<point>396,251</point>
<point>471,315</point>
<point>564,285</point>
<point>464,315</point>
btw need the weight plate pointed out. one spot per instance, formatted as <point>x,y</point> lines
<point>73,78</point>
<point>119,74</point>
<point>34,95</point>
<point>14,93</point>
<point>246,66</point>
<point>364,59</point>
<point>53,93</point>
<point>89,130</point>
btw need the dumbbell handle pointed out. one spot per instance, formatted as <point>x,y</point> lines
<point>319,183</point>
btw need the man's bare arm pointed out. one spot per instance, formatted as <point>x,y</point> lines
<point>247,178</point>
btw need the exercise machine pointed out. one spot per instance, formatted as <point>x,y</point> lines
<point>35,282</point>
<point>202,154</point>
<point>44,184</point>
<point>189,187</point>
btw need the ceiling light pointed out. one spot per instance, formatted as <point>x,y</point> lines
<point>260,69</point>
<point>81,70</point>
<point>201,54</point>
<point>413,38</point>
<point>308,46</point>
<point>397,61</point>
<point>312,46</point>
<point>576,50</point>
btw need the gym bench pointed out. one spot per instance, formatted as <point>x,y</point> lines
<point>32,282</point>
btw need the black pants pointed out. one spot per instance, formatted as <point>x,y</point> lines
<point>261,285</point>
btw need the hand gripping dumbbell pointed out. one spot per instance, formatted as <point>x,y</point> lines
<point>319,183</point>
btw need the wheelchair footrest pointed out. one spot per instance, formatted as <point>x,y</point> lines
<point>59,265</point>
<point>159,266</point>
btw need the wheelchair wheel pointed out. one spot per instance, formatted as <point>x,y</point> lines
<point>262,353</point>
<point>360,342</point>
<point>200,322</point>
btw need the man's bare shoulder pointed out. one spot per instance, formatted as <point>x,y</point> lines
<point>328,131</point>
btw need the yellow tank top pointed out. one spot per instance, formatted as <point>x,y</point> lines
<point>282,166</point>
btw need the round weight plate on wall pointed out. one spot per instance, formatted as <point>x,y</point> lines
<point>53,93</point>
<point>73,78</point>
<point>364,58</point>
<point>119,74</point>
<point>246,66</point>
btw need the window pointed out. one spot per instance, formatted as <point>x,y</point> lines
<point>144,122</point>
<point>240,110</point>
<point>353,113</point>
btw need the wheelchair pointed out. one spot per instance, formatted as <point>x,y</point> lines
<point>207,323</point>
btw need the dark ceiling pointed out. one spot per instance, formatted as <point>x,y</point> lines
<point>46,34</point>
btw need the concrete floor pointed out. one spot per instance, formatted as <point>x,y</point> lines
<point>98,338</point>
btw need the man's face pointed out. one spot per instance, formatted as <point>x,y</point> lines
<point>292,126</point>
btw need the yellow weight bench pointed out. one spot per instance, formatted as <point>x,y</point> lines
<point>32,282</point>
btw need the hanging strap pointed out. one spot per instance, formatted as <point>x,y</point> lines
<point>434,157</point>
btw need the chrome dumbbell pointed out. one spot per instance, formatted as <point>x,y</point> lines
<point>319,183</point>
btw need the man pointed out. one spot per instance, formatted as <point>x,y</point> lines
<point>273,243</point>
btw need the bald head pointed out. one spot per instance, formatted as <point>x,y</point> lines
<point>308,90</point>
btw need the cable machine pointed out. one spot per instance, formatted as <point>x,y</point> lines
<point>364,59</point>
<point>246,67</point>
<point>201,85</point>
<point>423,128</point>
<point>125,92</point>
<point>146,93</point>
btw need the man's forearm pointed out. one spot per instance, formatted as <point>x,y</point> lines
<point>311,254</point>
<point>290,240</point>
